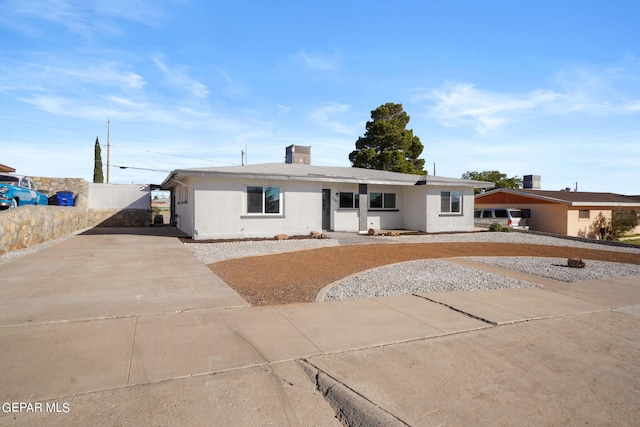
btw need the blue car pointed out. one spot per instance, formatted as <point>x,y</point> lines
<point>18,190</point>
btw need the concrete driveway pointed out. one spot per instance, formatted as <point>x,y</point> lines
<point>119,327</point>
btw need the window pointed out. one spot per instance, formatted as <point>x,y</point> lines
<point>501,213</point>
<point>450,202</point>
<point>389,200</point>
<point>382,201</point>
<point>583,214</point>
<point>263,200</point>
<point>349,200</point>
<point>182,195</point>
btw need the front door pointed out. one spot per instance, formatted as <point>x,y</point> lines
<point>326,209</point>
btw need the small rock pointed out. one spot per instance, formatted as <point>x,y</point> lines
<point>372,232</point>
<point>323,236</point>
<point>315,235</point>
<point>394,233</point>
<point>281,237</point>
<point>575,263</point>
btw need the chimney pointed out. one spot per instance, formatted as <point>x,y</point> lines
<point>298,154</point>
<point>531,182</point>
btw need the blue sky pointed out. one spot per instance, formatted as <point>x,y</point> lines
<point>548,87</point>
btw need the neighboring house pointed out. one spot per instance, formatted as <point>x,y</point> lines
<point>5,168</point>
<point>560,212</point>
<point>267,199</point>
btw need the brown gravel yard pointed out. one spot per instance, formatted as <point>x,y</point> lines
<point>297,277</point>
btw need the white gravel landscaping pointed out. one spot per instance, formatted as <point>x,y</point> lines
<point>419,277</point>
<point>557,269</point>
<point>213,252</point>
<point>513,237</point>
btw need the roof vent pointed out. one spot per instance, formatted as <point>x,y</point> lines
<point>298,154</point>
<point>531,182</point>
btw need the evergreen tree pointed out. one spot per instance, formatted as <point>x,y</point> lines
<point>98,176</point>
<point>387,144</point>
<point>500,179</point>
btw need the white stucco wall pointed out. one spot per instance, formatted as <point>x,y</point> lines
<point>414,212</point>
<point>216,208</point>
<point>184,206</point>
<point>221,209</point>
<point>343,219</point>
<point>438,222</point>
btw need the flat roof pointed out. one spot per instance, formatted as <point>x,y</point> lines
<point>300,172</point>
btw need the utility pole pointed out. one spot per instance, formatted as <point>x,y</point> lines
<point>108,147</point>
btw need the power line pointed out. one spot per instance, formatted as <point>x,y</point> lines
<point>131,148</point>
<point>173,155</point>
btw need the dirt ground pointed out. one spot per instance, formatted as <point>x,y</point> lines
<point>297,277</point>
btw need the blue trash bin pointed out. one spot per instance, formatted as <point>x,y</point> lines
<point>65,198</point>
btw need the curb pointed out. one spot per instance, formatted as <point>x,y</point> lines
<point>352,409</point>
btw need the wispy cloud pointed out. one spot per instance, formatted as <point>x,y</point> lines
<point>579,91</point>
<point>126,109</point>
<point>81,17</point>
<point>317,62</point>
<point>462,104</point>
<point>325,117</point>
<point>178,77</point>
<point>36,76</point>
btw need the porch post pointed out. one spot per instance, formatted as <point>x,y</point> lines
<point>364,205</point>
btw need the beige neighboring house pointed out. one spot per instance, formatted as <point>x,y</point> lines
<point>560,212</point>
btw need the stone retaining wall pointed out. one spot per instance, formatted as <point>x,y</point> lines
<point>29,225</point>
<point>50,186</point>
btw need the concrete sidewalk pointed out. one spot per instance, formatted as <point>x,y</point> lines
<point>130,329</point>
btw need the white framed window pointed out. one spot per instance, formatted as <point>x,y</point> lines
<point>382,201</point>
<point>451,202</point>
<point>349,200</point>
<point>265,200</point>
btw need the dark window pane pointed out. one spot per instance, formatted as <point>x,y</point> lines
<point>254,199</point>
<point>445,201</point>
<point>501,213</point>
<point>486,214</point>
<point>389,200</point>
<point>456,202</point>
<point>346,200</point>
<point>376,200</point>
<point>272,199</point>
<point>356,201</point>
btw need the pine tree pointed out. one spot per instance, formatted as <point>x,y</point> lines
<point>388,144</point>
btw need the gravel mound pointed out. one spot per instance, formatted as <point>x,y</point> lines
<point>419,277</point>
<point>213,252</point>
<point>557,269</point>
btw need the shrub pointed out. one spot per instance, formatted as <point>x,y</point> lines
<point>506,230</point>
<point>495,227</point>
